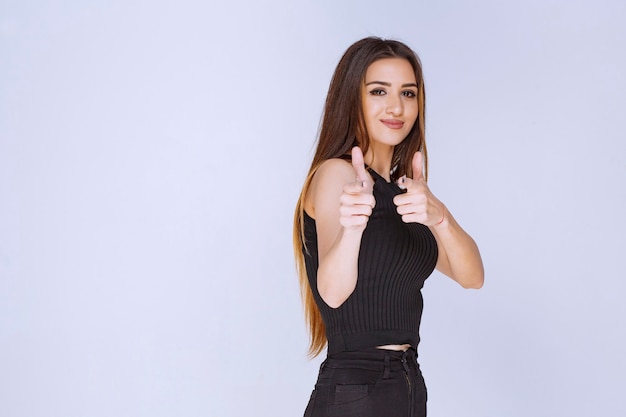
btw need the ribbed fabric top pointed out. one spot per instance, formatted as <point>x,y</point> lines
<point>395,259</point>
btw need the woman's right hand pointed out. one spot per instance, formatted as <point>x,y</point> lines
<point>357,200</point>
<point>340,200</point>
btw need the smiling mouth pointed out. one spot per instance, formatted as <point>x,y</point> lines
<point>393,124</point>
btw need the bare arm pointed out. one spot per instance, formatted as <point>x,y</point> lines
<point>459,257</point>
<point>341,201</point>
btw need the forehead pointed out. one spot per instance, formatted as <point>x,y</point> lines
<point>389,70</point>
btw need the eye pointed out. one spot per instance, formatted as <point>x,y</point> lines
<point>409,94</point>
<point>378,92</point>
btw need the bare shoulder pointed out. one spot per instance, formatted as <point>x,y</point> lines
<point>327,183</point>
<point>336,170</point>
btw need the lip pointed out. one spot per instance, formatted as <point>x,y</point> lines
<point>392,123</point>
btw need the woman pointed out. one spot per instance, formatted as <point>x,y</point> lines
<point>368,232</point>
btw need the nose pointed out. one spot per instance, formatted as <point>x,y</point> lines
<point>394,105</point>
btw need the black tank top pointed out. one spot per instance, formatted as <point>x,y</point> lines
<point>395,259</point>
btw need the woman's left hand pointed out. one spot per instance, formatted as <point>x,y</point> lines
<point>458,255</point>
<point>418,204</point>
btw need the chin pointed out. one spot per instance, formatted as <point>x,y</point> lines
<point>390,141</point>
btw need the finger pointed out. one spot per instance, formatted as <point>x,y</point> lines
<point>418,166</point>
<point>405,182</point>
<point>351,199</point>
<point>356,210</point>
<point>409,209</point>
<point>401,200</point>
<point>354,187</point>
<point>358,164</point>
<point>408,202</point>
<point>353,222</point>
<point>412,185</point>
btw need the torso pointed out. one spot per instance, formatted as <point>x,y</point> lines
<point>385,308</point>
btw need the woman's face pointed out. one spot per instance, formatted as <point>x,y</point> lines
<point>389,98</point>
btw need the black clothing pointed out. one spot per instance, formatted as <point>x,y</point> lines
<point>395,259</point>
<point>372,383</point>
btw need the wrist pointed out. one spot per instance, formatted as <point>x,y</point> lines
<point>443,217</point>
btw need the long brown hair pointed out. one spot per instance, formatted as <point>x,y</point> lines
<point>343,127</point>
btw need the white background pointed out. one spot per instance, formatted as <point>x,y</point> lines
<point>151,154</point>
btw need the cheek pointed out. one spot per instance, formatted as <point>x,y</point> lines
<point>414,112</point>
<point>412,118</point>
<point>371,115</point>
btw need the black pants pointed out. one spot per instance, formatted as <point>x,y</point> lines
<point>373,383</point>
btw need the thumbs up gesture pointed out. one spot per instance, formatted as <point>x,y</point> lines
<point>418,204</point>
<point>357,201</point>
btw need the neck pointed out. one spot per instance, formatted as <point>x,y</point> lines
<point>378,157</point>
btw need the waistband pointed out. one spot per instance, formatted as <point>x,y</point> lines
<point>373,359</point>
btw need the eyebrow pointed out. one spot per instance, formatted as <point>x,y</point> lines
<point>386,84</point>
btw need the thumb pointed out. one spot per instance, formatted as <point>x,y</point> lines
<point>358,164</point>
<point>418,166</point>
